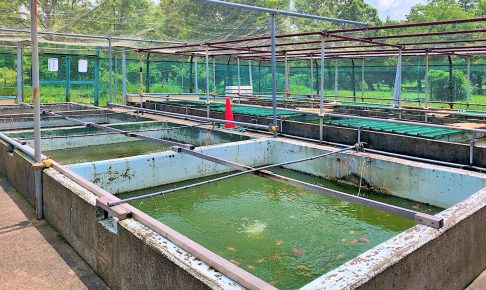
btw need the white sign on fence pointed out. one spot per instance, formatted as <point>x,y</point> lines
<point>82,66</point>
<point>52,64</point>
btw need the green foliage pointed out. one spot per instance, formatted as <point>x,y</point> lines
<point>442,89</point>
<point>7,76</point>
<point>7,81</point>
<point>356,10</point>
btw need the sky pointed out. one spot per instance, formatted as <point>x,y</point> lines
<point>395,9</point>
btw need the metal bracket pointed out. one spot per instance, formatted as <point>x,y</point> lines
<point>359,147</point>
<point>119,211</point>
<point>471,151</point>
<point>272,128</point>
<point>429,220</point>
<point>360,131</point>
<point>10,148</point>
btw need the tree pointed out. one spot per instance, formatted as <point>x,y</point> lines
<point>468,5</point>
<point>205,22</point>
<point>440,85</point>
<point>437,10</point>
<point>356,10</point>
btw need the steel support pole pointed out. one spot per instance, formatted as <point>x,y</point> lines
<point>250,75</point>
<point>321,95</point>
<point>239,79</point>
<point>140,75</point>
<point>397,94</point>
<point>311,79</point>
<point>286,75</point>
<point>468,79</point>
<point>274,73</point>
<point>68,79</point>
<point>36,103</point>
<point>207,74</point>
<point>96,80</point>
<point>362,78</point>
<point>196,88</point>
<point>336,79</point>
<point>182,76</point>
<point>20,68</point>
<point>124,76</point>
<point>426,94</point>
<point>214,75</point>
<point>115,74</point>
<point>110,64</point>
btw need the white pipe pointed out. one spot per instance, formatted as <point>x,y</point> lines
<point>20,80</point>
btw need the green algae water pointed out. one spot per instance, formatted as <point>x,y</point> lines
<point>282,234</point>
<point>104,151</point>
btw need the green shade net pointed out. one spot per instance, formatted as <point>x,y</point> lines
<point>406,129</point>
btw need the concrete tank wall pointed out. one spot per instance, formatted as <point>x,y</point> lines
<point>82,136</point>
<point>432,184</point>
<point>436,185</point>
<point>422,257</point>
<point>138,172</point>
<point>126,254</point>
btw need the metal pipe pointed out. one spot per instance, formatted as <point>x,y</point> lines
<point>36,105</point>
<point>182,76</point>
<point>397,92</point>
<point>234,272</point>
<point>196,85</point>
<point>367,28</point>
<point>282,12</point>
<point>426,219</point>
<point>245,170</point>
<point>124,75</point>
<point>311,79</point>
<point>287,89</point>
<point>321,96</point>
<point>250,75</point>
<point>207,75</point>
<point>214,75</point>
<point>468,79</point>
<point>20,79</point>
<point>471,151</point>
<point>140,87</point>
<point>296,43</point>
<point>385,153</point>
<point>336,79</point>
<point>87,36</point>
<point>239,77</point>
<point>110,63</point>
<point>274,74</point>
<point>426,82</point>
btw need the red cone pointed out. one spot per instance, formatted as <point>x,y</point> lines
<point>228,115</point>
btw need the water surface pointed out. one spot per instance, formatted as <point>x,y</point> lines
<point>284,235</point>
<point>105,151</point>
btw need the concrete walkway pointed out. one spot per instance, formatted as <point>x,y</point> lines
<point>32,254</point>
<point>479,283</point>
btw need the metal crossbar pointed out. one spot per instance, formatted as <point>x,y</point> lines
<point>422,218</point>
